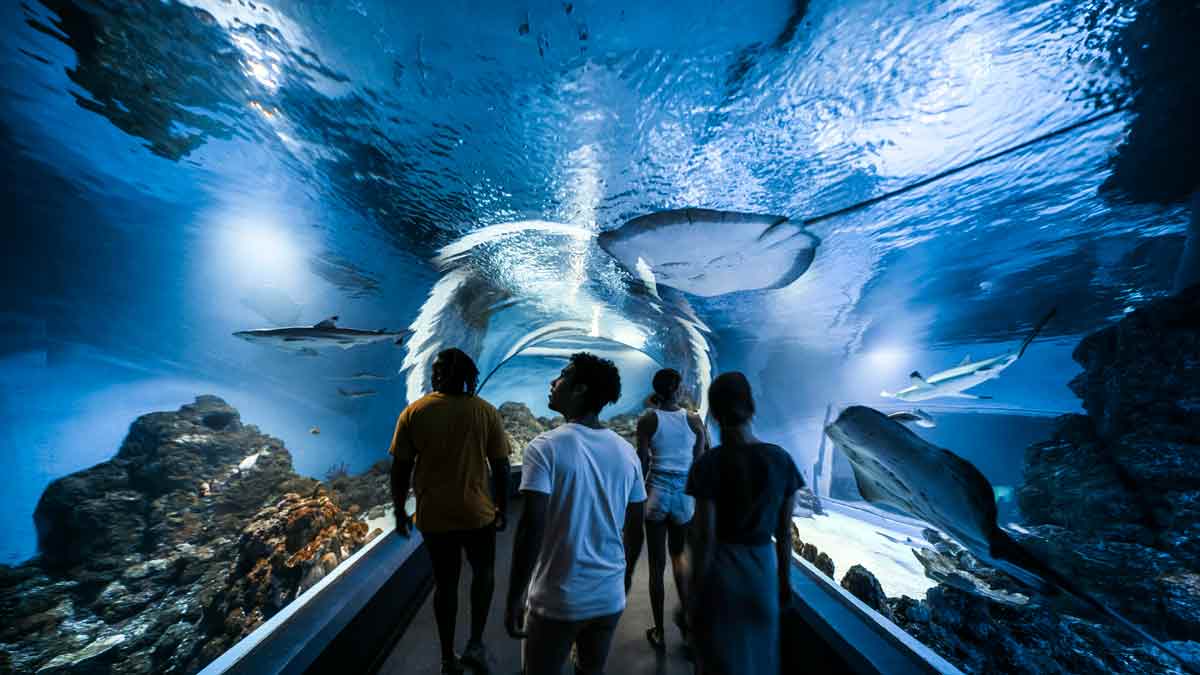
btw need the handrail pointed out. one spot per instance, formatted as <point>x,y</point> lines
<point>863,639</point>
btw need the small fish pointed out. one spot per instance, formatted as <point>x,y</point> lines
<point>315,431</point>
<point>916,416</point>
<point>356,393</point>
<point>364,375</point>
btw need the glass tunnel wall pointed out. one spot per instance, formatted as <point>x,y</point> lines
<point>837,198</point>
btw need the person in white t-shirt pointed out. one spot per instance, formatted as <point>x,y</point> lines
<point>583,490</point>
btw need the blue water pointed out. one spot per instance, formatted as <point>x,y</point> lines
<point>178,171</point>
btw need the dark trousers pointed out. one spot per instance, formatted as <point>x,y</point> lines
<point>548,642</point>
<point>446,550</point>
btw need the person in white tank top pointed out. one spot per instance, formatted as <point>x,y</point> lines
<point>669,438</point>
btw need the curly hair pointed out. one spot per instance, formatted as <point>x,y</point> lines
<point>601,376</point>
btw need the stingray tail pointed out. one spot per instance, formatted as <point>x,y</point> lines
<point>1044,578</point>
<point>1034,333</point>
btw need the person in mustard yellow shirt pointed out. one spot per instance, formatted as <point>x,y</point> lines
<point>447,441</point>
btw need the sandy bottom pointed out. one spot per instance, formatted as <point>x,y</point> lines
<point>883,548</point>
<point>387,521</point>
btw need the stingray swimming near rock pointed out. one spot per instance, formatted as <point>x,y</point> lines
<point>708,253</point>
<point>896,468</point>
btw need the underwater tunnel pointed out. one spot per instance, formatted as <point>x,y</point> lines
<point>953,245</point>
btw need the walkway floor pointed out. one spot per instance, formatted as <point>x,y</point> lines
<point>417,652</point>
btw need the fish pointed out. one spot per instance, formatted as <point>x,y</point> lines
<point>306,340</point>
<point>356,393</point>
<point>954,382</point>
<point>916,416</point>
<point>363,375</point>
<point>315,431</point>
<point>709,253</point>
<point>896,468</point>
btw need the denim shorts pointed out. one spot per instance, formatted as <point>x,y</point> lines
<point>665,499</point>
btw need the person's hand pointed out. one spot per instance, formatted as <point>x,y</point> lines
<point>403,521</point>
<point>514,620</point>
<point>501,521</point>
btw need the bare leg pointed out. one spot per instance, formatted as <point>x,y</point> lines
<point>677,546</point>
<point>656,555</point>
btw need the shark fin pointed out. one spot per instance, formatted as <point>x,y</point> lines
<point>965,361</point>
<point>331,322</point>
<point>1034,333</point>
<point>917,379</point>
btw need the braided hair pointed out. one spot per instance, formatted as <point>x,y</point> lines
<point>455,373</point>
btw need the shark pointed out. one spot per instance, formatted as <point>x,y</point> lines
<point>896,468</point>
<point>306,340</point>
<point>954,382</point>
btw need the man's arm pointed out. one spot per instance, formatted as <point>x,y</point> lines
<point>403,460</point>
<point>783,549</point>
<point>635,515</point>
<point>401,474</point>
<point>500,469</point>
<point>497,453</point>
<point>530,529</point>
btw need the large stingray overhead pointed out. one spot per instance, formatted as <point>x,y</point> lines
<point>897,468</point>
<point>709,253</point>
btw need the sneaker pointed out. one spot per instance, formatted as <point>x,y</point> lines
<point>655,637</point>
<point>476,655</point>
<point>451,666</point>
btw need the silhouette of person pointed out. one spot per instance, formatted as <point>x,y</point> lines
<point>447,441</point>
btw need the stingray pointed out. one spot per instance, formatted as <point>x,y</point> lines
<point>307,339</point>
<point>954,381</point>
<point>896,468</point>
<point>709,253</point>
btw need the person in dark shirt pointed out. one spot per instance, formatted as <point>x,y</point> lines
<point>744,492</point>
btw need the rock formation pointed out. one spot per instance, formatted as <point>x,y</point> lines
<point>1112,501</point>
<point>159,559</point>
<point>522,426</point>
